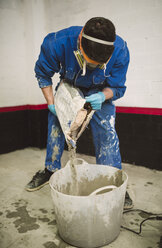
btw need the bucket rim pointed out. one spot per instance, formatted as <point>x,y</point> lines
<point>80,196</point>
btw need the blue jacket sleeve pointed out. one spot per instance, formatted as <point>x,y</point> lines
<point>47,63</point>
<point>117,78</point>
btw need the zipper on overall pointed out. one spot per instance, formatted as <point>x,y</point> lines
<point>76,77</point>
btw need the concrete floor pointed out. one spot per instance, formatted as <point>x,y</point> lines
<point>28,220</point>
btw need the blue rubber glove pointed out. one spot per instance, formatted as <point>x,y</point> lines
<point>52,109</point>
<point>96,100</point>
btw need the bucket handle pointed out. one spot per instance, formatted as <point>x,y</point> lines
<point>51,186</point>
<point>103,188</point>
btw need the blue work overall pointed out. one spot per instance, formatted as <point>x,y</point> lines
<point>105,139</point>
<point>57,56</point>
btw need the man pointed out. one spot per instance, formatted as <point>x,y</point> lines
<point>94,59</point>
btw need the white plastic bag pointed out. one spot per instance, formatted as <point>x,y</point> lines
<point>72,115</point>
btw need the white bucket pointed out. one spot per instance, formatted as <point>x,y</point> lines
<point>92,218</point>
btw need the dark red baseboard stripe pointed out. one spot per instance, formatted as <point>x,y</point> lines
<point>139,110</point>
<point>126,110</point>
<point>23,107</point>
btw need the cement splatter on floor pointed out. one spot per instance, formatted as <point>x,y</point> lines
<point>44,211</point>
<point>53,222</point>
<point>24,222</point>
<point>50,244</point>
<point>58,243</point>
<point>45,219</point>
<point>144,215</point>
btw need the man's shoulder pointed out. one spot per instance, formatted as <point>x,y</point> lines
<point>66,32</point>
<point>119,42</point>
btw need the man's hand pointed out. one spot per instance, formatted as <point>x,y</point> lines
<point>96,100</point>
<point>51,107</point>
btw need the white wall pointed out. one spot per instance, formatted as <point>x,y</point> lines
<point>24,23</point>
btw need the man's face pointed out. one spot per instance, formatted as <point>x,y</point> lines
<point>91,66</point>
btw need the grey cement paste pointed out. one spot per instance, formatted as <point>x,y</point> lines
<point>81,185</point>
